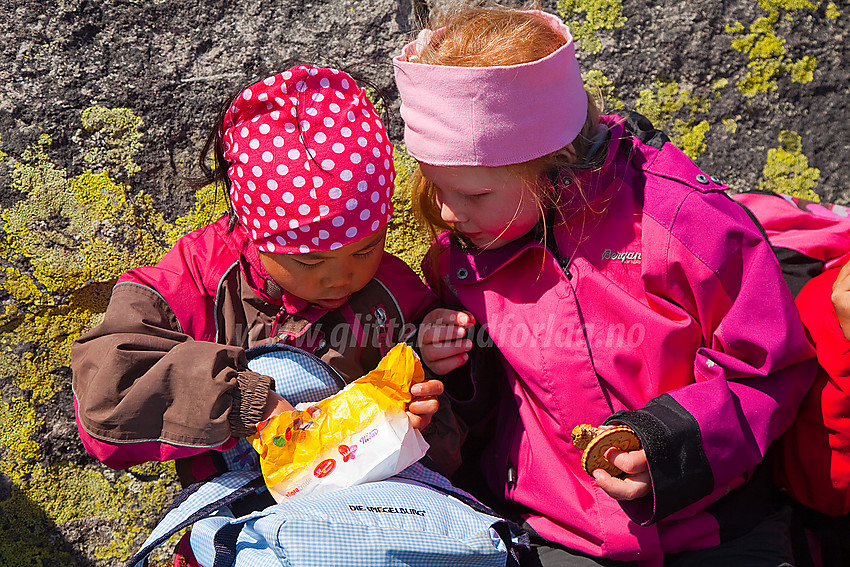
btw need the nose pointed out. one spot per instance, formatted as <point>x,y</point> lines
<point>340,277</point>
<point>451,214</point>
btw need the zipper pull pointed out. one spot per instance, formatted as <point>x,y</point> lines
<point>511,476</point>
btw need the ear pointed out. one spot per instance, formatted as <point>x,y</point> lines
<point>570,151</point>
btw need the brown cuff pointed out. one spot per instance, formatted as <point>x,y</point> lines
<point>249,401</point>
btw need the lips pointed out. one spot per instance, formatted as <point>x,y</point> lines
<point>333,303</point>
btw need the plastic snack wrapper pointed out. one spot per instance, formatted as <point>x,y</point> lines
<point>360,434</point>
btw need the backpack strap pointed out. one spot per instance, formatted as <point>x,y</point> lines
<point>196,502</point>
<point>641,128</point>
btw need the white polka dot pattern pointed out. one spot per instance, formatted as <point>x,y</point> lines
<point>299,180</point>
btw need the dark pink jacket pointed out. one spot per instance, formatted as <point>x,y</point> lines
<point>658,305</point>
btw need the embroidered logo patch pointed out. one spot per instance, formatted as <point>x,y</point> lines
<point>623,257</point>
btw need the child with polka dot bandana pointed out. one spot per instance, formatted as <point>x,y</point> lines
<point>618,285</point>
<point>298,260</point>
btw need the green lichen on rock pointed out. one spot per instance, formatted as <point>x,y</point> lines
<point>599,15</point>
<point>832,11</point>
<point>62,242</point>
<point>19,452</point>
<point>116,137</point>
<point>405,237</point>
<point>787,169</point>
<point>674,110</point>
<point>209,205</point>
<point>603,89</point>
<point>67,493</point>
<point>768,59</point>
<point>62,245</point>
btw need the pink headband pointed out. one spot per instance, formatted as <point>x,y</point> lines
<point>311,164</point>
<point>490,115</point>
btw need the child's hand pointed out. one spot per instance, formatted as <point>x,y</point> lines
<point>424,403</point>
<point>637,482</point>
<point>442,341</point>
<point>841,299</point>
<point>275,404</point>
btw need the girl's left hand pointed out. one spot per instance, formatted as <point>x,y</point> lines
<point>635,484</point>
<point>424,403</point>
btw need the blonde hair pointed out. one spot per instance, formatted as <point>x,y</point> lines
<point>489,37</point>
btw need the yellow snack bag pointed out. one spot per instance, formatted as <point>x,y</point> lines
<point>360,434</point>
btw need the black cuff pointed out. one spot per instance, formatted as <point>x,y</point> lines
<point>680,471</point>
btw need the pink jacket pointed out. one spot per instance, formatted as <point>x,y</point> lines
<point>658,305</point>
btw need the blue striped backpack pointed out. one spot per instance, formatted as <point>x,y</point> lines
<point>416,518</point>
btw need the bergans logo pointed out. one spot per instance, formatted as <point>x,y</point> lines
<point>324,468</point>
<point>623,257</point>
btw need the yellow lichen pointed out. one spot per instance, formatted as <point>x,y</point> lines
<point>116,135</point>
<point>18,422</point>
<point>599,15</point>
<point>731,125</point>
<point>689,137</point>
<point>603,89</point>
<point>832,11</point>
<point>75,236</point>
<point>209,205</point>
<point>787,169</point>
<point>664,102</point>
<point>768,60</point>
<point>405,238</point>
<point>719,84</point>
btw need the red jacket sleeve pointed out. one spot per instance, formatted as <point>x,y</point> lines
<point>815,454</point>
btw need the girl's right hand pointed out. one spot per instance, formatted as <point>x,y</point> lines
<point>275,404</point>
<point>841,299</point>
<point>443,339</point>
<point>635,484</point>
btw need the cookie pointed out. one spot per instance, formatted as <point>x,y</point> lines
<point>594,442</point>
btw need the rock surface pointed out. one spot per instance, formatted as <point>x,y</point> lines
<point>105,105</point>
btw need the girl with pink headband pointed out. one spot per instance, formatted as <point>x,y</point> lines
<point>298,260</point>
<point>603,279</point>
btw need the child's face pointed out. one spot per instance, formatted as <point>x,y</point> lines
<point>327,278</point>
<point>491,206</point>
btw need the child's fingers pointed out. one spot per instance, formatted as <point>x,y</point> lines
<point>440,333</point>
<point>419,412</point>
<point>419,422</point>
<point>442,358</point>
<point>635,484</point>
<point>444,366</point>
<point>442,325</point>
<point>443,316</point>
<point>439,351</point>
<point>628,488</point>
<point>632,462</point>
<point>427,389</point>
<point>423,406</point>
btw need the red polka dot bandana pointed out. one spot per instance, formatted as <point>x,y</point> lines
<point>311,163</point>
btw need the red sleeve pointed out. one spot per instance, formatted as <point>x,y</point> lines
<point>815,453</point>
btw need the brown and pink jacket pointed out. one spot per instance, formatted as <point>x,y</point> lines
<point>164,376</point>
